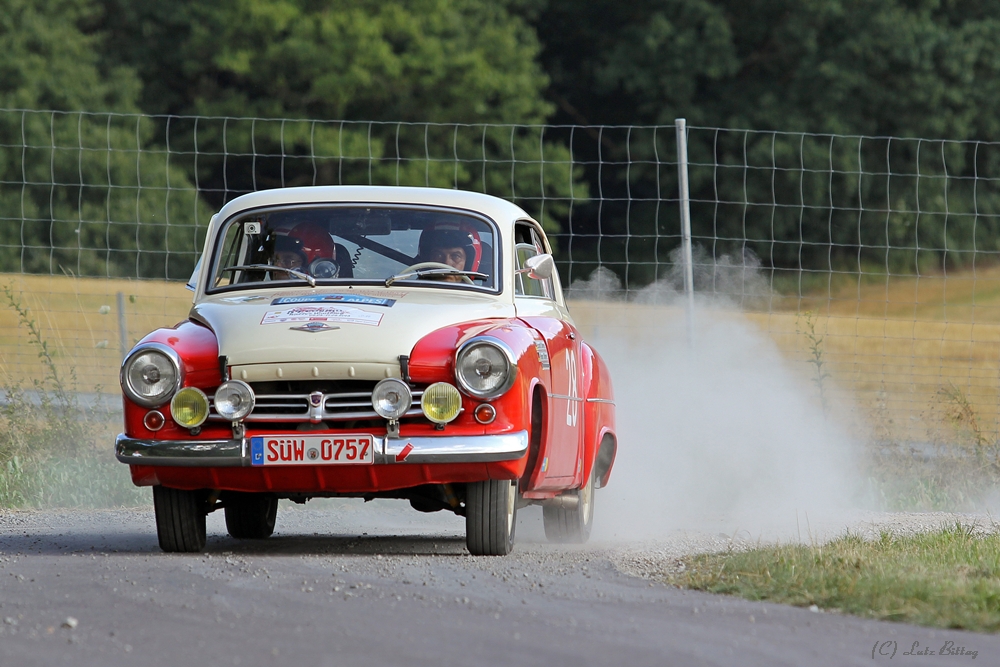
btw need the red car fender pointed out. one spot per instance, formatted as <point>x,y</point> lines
<point>433,360</point>
<point>599,411</point>
<point>198,349</point>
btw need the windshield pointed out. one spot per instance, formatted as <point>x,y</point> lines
<point>356,244</point>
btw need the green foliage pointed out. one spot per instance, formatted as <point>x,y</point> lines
<point>805,325</point>
<point>430,60</point>
<point>80,208</point>
<point>856,67</point>
<point>946,578</point>
<point>437,63</point>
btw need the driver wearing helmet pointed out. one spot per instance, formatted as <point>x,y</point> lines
<point>453,247</point>
<point>307,248</point>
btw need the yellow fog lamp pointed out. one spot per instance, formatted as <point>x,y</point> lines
<point>189,407</point>
<point>441,402</point>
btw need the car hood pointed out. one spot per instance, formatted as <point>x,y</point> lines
<point>336,326</point>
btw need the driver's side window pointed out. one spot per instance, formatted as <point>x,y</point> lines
<point>527,244</point>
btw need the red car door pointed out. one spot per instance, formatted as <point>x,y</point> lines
<point>537,305</point>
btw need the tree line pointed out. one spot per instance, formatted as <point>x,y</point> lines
<point>880,68</point>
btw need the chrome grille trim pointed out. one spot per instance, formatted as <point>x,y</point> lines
<point>341,406</point>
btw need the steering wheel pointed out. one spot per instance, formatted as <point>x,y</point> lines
<point>436,265</point>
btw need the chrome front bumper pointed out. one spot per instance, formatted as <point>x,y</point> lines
<point>236,453</point>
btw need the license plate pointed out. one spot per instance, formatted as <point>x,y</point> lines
<point>296,450</point>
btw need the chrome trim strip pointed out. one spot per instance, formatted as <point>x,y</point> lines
<point>600,400</point>
<point>454,449</point>
<point>568,398</point>
<point>235,453</point>
<point>297,418</point>
<point>336,407</point>
<point>202,453</point>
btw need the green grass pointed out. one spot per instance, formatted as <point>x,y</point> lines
<point>54,450</point>
<point>949,578</point>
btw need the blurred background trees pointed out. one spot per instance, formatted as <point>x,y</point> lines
<point>881,68</point>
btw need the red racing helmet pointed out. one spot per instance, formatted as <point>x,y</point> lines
<point>314,244</point>
<point>313,241</point>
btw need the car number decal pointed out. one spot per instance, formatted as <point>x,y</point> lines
<point>573,404</point>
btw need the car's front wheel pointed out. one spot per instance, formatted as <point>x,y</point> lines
<point>250,516</point>
<point>180,519</point>
<point>571,524</point>
<point>490,517</point>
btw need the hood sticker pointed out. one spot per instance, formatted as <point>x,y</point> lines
<point>243,299</point>
<point>343,314</point>
<point>334,298</point>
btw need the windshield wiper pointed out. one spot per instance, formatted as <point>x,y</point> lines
<point>268,267</point>
<point>420,273</point>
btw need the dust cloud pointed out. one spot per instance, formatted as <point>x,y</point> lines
<point>720,436</point>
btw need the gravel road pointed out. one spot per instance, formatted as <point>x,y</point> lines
<point>346,583</point>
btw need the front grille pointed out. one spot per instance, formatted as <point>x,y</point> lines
<point>340,402</point>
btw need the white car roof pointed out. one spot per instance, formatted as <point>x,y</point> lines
<point>501,211</point>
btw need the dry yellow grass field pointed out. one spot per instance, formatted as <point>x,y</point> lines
<point>78,318</point>
<point>894,348</point>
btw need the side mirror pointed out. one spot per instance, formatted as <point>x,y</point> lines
<point>540,267</point>
<point>192,283</point>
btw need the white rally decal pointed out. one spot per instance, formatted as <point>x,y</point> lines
<point>572,405</point>
<point>344,314</point>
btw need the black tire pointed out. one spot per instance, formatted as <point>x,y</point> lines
<point>571,526</point>
<point>250,516</point>
<point>490,517</point>
<point>180,519</point>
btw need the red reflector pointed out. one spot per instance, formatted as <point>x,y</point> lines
<point>485,413</point>
<point>153,420</point>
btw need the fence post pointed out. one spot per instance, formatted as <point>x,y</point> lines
<point>685,203</point>
<point>122,329</point>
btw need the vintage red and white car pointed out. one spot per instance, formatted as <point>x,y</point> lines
<point>370,342</point>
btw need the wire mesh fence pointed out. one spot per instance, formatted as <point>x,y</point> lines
<point>874,260</point>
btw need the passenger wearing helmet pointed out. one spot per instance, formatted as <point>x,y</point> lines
<point>454,247</point>
<point>307,248</point>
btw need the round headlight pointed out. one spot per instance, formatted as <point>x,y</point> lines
<point>391,398</point>
<point>234,400</point>
<point>150,375</point>
<point>485,368</point>
<point>441,402</point>
<point>189,407</point>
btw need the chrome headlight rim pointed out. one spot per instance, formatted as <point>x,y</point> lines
<point>245,410</point>
<point>404,404</point>
<point>508,355</point>
<point>158,401</point>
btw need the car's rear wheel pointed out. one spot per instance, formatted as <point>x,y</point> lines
<point>490,517</point>
<point>250,516</point>
<point>571,524</point>
<point>180,519</point>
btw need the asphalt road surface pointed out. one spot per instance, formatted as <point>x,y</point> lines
<point>342,583</point>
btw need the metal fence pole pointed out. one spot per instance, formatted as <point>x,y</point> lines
<point>122,329</point>
<point>685,202</point>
